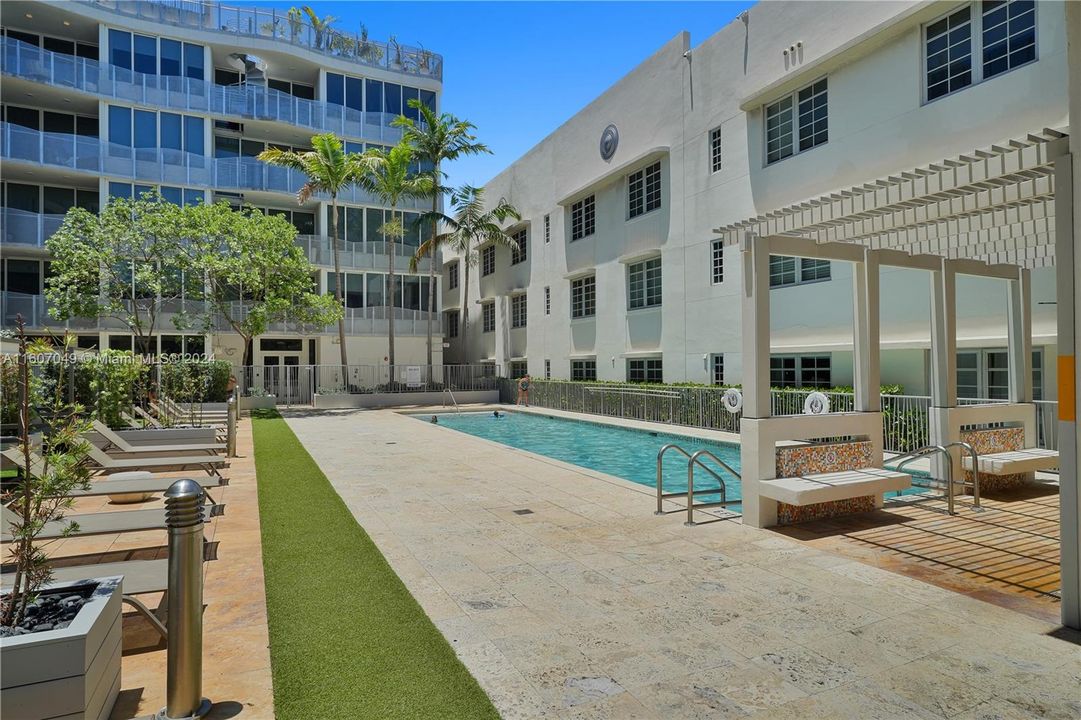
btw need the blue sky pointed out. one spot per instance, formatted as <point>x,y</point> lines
<point>518,70</point>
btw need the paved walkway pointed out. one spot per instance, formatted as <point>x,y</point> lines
<point>566,597</point>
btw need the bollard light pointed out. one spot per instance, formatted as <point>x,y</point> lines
<point>184,503</point>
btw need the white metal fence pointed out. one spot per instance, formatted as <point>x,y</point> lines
<point>298,384</point>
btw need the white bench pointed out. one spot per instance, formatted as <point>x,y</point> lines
<point>1014,461</point>
<point>827,487</point>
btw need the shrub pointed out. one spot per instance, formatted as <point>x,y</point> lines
<point>196,381</point>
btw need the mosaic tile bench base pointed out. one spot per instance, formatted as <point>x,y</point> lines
<point>830,457</point>
<point>996,440</point>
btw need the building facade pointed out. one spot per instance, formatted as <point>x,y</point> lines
<point>107,98</point>
<point>622,273</point>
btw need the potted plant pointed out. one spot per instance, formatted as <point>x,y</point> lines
<point>367,50</point>
<point>257,398</point>
<point>60,643</point>
<point>396,48</point>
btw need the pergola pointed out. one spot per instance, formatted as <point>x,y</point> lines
<point>995,212</point>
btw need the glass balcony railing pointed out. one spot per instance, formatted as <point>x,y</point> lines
<point>358,321</point>
<point>243,102</point>
<point>359,255</point>
<point>29,229</point>
<point>281,26</point>
<point>162,165</point>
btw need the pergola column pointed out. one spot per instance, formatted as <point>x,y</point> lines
<point>1019,317</point>
<point>943,364</point>
<point>756,457</point>
<point>866,366</point>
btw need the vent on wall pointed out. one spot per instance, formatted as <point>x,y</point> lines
<point>793,55</point>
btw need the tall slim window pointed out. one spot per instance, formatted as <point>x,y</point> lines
<point>644,190</point>
<point>976,42</point>
<point>547,229</point>
<point>120,49</point>
<point>717,266</point>
<point>452,276</point>
<point>645,370</point>
<point>193,61</point>
<point>518,314</point>
<point>487,260</point>
<point>644,284</point>
<point>520,248</point>
<point>584,370</point>
<point>172,57</point>
<point>146,55</point>
<point>715,149</point>
<point>547,369</point>
<point>718,369</point>
<point>547,301</point>
<point>797,122</point>
<point>583,218</point>
<point>584,297</point>
<point>488,317</point>
<point>452,324</point>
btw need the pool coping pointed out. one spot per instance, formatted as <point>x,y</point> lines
<point>669,505</point>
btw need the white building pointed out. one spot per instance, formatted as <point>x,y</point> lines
<point>104,98</point>
<point>623,275</point>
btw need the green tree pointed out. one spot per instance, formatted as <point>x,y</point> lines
<point>388,174</point>
<point>255,272</point>
<point>329,170</point>
<point>436,139</point>
<point>321,25</point>
<point>473,225</point>
<point>127,263</point>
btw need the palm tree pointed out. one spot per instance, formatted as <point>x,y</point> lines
<point>435,139</point>
<point>388,175</point>
<point>321,26</point>
<point>329,170</point>
<point>471,226</point>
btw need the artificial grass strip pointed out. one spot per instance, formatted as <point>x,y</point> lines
<point>347,640</point>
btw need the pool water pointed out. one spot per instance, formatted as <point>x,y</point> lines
<point>624,452</point>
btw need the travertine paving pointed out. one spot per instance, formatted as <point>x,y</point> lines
<point>588,606</point>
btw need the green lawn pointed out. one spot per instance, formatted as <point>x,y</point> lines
<point>347,640</point>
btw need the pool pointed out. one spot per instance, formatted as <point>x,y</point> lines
<point>624,452</point>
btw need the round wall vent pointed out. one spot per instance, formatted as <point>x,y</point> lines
<point>609,142</point>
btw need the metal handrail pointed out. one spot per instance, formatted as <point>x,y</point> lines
<point>924,451</point>
<point>975,470</point>
<point>661,495</point>
<point>724,501</point>
<point>448,391</point>
<point>692,460</point>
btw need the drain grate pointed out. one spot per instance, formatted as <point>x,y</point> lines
<point>523,511</point>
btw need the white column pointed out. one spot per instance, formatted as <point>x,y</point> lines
<point>1019,314</point>
<point>943,365</point>
<point>1067,230</point>
<point>755,326</point>
<point>866,353</point>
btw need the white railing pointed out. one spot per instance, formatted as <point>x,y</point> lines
<point>298,384</point>
<point>365,254</point>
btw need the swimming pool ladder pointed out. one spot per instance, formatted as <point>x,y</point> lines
<point>447,391</point>
<point>690,492</point>
<point>926,450</point>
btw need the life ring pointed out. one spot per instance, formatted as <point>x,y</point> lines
<point>816,404</point>
<point>732,400</point>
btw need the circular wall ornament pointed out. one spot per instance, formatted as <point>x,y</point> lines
<point>733,400</point>
<point>816,404</point>
<point>609,142</point>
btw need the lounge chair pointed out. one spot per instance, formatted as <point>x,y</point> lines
<point>116,441</point>
<point>104,523</point>
<point>107,465</point>
<point>134,482</point>
<point>146,417</point>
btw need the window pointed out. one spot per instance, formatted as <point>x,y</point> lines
<point>547,229</point>
<point>985,374</point>
<point>1006,30</point>
<point>519,368</point>
<point>785,270</point>
<point>584,297</point>
<point>644,284</point>
<point>717,268</point>
<point>718,369</point>
<point>452,276</point>
<point>806,110</point>
<point>547,301</point>
<point>487,260</point>
<point>452,324</point>
<point>644,190</point>
<point>547,369</point>
<point>584,370</point>
<point>800,371</point>
<point>646,370</point>
<point>519,249</point>
<point>715,149</point>
<point>583,218</point>
<point>518,311</point>
<point>488,317</point>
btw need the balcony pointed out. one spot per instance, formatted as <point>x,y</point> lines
<point>358,321</point>
<point>252,22</point>
<point>162,165</point>
<point>243,102</point>
<point>359,255</point>
<point>28,229</point>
